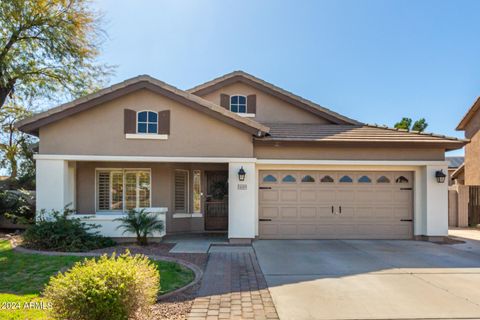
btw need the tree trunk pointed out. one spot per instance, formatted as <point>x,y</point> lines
<point>13,166</point>
<point>4,92</point>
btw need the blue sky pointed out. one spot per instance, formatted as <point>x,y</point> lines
<point>374,61</point>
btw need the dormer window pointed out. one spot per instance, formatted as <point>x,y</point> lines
<point>238,104</point>
<point>147,122</point>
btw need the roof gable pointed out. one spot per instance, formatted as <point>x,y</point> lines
<point>243,77</point>
<point>469,115</point>
<point>32,124</point>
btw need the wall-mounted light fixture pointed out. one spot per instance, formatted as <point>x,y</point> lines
<point>440,176</point>
<point>241,174</point>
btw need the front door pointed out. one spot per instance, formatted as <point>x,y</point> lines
<point>216,201</point>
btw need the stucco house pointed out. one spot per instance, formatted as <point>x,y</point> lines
<point>240,155</point>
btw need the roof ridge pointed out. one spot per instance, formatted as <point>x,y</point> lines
<point>272,86</point>
<point>138,79</point>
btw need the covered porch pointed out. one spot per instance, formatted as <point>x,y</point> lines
<point>191,195</point>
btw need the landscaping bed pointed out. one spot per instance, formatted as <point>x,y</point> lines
<point>24,276</point>
<point>178,306</point>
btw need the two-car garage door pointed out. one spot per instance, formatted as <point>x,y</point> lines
<point>335,205</point>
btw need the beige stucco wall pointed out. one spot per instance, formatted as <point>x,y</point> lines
<point>100,131</point>
<point>269,108</point>
<point>312,152</point>
<point>472,151</point>
<point>162,179</point>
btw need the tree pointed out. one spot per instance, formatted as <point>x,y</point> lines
<point>406,124</point>
<point>48,48</point>
<point>420,125</point>
<point>13,143</point>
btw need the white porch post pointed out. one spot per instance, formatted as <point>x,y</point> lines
<point>241,202</point>
<point>434,209</point>
<point>54,188</point>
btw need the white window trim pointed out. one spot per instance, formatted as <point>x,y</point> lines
<point>123,170</point>
<point>146,136</point>
<point>146,122</point>
<point>187,204</point>
<point>246,104</point>
<point>247,115</point>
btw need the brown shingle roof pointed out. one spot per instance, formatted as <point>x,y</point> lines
<point>370,134</point>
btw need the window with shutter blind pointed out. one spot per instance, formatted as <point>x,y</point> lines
<point>122,189</point>
<point>181,191</point>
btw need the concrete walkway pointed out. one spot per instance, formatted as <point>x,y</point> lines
<point>195,243</point>
<point>233,287</point>
<point>470,237</point>
<point>370,279</point>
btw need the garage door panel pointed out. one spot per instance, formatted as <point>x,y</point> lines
<point>308,195</point>
<point>325,212</point>
<point>268,230</point>
<point>308,212</point>
<point>345,195</point>
<point>288,195</point>
<point>326,195</point>
<point>372,205</point>
<point>269,212</point>
<point>402,196</point>
<point>289,212</point>
<point>269,196</point>
<point>288,229</point>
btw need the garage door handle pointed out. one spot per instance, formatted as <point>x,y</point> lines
<point>265,219</point>
<point>339,209</point>
<point>265,188</point>
<point>406,220</point>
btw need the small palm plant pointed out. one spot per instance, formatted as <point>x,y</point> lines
<point>142,223</point>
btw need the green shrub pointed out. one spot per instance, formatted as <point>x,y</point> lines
<point>116,287</point>
<point>61,232</point>
<point>142,223</point>
<point>17,205</point>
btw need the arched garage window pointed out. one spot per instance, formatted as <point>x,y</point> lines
<point>364,179</point>
<point>345,179</point>
<point>289,178</point>
<point>269,178</point>
<point>308,178</point>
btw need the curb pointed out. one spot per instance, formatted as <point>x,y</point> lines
<point>196,270</point>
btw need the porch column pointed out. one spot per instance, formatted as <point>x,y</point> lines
<point>434,206</point>
<point>55,181</point>
<point>241,202</point>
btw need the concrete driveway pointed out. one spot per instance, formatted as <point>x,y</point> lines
<point>370,279</point>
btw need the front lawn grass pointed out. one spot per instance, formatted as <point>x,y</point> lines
<point>23,276</point>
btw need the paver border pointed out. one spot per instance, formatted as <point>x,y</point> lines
<point>196,270</point>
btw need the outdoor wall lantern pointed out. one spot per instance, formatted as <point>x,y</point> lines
<point>440,175</point>
<point>241,174</point>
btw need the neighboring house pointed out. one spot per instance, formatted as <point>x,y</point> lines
<point>470,124</point>
<point>454,164</point>
<point>241,155</point>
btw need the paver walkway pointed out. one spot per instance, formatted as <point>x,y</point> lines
<point>233,287</point>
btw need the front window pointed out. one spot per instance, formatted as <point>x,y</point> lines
<point>122,190</point>
<point>238,104</point>
<point>147,122</point>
